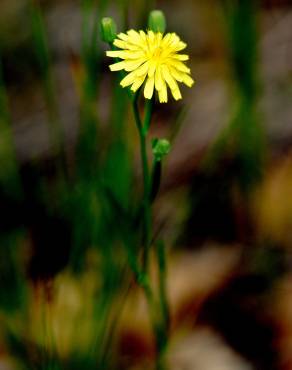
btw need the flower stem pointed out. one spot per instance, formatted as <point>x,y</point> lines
<point>143,130</point>
<point>158,309</point>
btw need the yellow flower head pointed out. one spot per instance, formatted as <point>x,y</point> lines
<point>152,57</point>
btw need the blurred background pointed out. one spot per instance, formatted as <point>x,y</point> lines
<point>70,180</point>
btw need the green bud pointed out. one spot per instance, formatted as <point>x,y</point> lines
<point>108,29</point>
<point>157,21</point>
<point>160,148</point>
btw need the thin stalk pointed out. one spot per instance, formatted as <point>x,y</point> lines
<point>162,281</point>
<point>163,301</point>
<point>148,116</point>
<point>143,130</point>
<point>160,323</point>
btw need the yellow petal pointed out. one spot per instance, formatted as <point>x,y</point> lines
<point>176,94</point>
<point>142,35</point>
<point>134,36</point>
<point>178,65</point>
<point>125,45</point>
<point>158,79</point>
<point>138,82</point>
<point>168,78</point>
<point>180,46</point>
<point>123,36</point>
<point>176,74</point>
<point>120,44</point>
<point>174,39</point>
<point>187,80</point>
<point>134,54</point>
<point>143,69</point>
<point>131,65</point>
<point>128,80</point>
<point>149,88</point>
<point>125,54</point>
<point>158,38</point>
<point>113,53</point>
<point>166,39</point>
<point>152,67</point>
<point>162,93</point>
<point>181,57</point>
<point>151,36</point>
<point>117,66</point>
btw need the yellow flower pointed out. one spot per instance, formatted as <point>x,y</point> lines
<point>152,57</point>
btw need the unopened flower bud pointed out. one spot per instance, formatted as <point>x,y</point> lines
<point>160,148</point>
<point>108,29</point>
<point>157,21</point>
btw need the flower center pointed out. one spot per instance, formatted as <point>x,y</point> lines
<point>157,53</point>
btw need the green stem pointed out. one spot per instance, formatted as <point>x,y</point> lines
<point>163,301</point>
<point>148,116</point>
<point>162,282</point>
<point>159,322</point>
<point>143,130</point>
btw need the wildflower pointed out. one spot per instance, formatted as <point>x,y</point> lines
<point>152,58</point>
